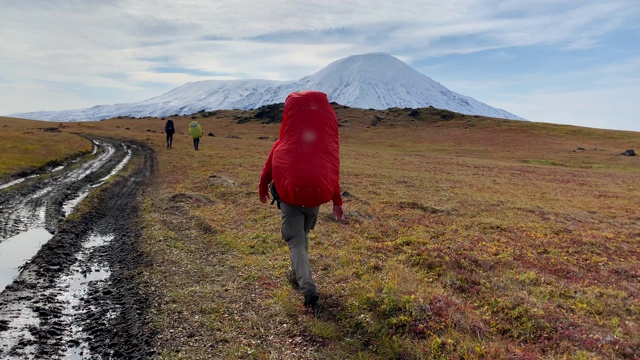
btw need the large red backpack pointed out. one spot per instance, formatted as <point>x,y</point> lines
<point>306,162</point>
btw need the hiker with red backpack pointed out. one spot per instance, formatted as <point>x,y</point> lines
<point>303,172</point>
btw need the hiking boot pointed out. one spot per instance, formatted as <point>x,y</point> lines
<point>291,277</point>
<point>310,298</point>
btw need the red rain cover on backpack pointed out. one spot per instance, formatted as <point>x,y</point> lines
<point>306,162</point>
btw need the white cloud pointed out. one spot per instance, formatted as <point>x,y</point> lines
<point>112,44</point>
<point>604,96</point>
<point>604,109</point>
<point>38,96</point>
<point>170,78</point>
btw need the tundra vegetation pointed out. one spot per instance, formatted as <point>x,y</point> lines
<point>28,145</point>
<point>465,237</point>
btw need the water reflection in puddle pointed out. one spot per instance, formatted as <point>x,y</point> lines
<point>17,250</point>
<point>11,183</point>
<point>119,166</point>
<point>17,331</point>
<point>16,181</point>
<point>77,287</point>
<point>70,205</point>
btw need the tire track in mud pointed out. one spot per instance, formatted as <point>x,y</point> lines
<point>76,298</point>
<point>35,203</point>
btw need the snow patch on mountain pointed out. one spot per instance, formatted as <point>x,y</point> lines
<point>370,81</point>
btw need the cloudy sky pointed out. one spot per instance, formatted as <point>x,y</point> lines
<point>561,61</point>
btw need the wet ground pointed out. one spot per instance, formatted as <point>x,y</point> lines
<point>66,275</point>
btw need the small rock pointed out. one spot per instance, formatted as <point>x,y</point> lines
<point>629,152</point>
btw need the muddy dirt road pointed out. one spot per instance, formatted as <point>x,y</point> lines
<point>66,286</point>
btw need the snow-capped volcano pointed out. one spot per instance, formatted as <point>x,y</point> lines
<point>370,81</point>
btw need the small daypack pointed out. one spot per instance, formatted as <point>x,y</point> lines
<point>195,130</point>
<point>168,128</point>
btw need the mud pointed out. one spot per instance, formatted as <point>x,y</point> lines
<point>76,298</point>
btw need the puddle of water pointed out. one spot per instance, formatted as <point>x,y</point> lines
<point>70,289</point>
<point>16,250</point>
<point>11,183</point>
<point>40,193</point>
<point>91,166</point>
<point>119,166</point>
<point>16,181</point>
<point>98,240</point>
<point>77,286</point>
<point>17,331</point>
<point>71,204</point>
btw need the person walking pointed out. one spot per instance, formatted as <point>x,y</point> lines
<point>196,133</point>
<point>303,172</point>
<point>169,130</point>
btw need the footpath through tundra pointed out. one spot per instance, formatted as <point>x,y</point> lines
<point>74,298</point>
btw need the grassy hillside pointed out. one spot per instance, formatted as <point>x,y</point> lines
<point>465,237</point>
<point>27,145</point>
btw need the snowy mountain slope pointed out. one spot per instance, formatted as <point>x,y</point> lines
<point>381,81</point>
<point>377,81</point>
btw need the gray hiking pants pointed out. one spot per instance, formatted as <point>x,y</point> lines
<point>297,221</point>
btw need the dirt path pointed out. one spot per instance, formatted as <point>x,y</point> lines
<point>75,298</point>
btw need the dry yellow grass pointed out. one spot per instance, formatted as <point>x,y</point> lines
<point>25,146</point>
<point>465,238</point>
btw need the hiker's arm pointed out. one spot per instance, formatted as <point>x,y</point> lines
<point>266,175</point>
<point>337,196</point>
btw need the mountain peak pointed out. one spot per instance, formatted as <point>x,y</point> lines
<point>371,81</point>
<point>374,56</point>
<point>372,64</point>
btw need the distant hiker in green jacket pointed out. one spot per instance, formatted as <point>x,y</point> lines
<point>196,133</point>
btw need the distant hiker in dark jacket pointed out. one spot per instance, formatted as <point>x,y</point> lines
<point>304,164</point>
<point>196,133</point>
<point>169,130</point>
